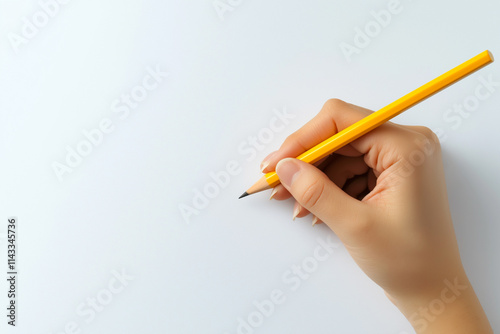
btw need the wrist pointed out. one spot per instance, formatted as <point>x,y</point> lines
<point>450,307</point>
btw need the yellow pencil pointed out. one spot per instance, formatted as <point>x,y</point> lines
<point>344,137</point>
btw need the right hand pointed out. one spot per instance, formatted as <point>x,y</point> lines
<point>384,195</point>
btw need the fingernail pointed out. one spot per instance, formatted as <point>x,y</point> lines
<point>264,165</point>
<point>315,220</point>
<point>275,190</point>
<point>267,161</point>
<point>296,210</point>
<point>287,170</point>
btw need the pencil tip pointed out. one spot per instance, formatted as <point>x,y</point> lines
<point>244,195</point>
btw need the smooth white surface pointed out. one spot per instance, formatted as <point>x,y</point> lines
<point>119,209</point>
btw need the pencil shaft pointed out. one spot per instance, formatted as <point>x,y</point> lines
<point>383,115</point>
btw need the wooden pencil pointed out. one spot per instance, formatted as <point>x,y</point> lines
<point>372,121</point>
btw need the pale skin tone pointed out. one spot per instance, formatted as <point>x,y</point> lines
<point>384,195</point>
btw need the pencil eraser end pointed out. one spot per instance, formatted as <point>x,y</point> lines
<point>491,55</point>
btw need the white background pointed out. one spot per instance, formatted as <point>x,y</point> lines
<point>118,210</point>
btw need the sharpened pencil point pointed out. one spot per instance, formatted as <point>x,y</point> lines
<point>244,195</point>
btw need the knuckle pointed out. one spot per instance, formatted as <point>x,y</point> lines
<point>332,105</point>
<point>433,138</point>
<point>334,102</point>
<point>428,137</point>
<point>428,133</point>
<point>313,192</point>
<point>290,139</point>
<point>419,138</point>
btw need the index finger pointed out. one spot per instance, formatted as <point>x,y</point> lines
<point>335,115</point>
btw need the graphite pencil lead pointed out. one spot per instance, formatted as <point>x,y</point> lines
<point>244,195</point>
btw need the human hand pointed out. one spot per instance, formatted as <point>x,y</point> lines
<point>384,195</point>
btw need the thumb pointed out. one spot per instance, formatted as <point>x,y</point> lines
<point>323,198</point>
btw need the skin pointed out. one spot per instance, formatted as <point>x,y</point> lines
<point>384,195</point>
